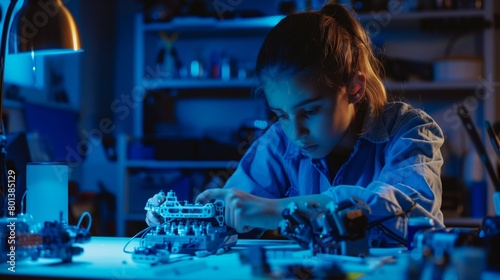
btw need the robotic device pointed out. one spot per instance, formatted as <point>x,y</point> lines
<point>188,229</point>
<point>58,240</point>
<point>55,240</point>
<point>337,229</point>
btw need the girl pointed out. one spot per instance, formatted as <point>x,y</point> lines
<point>337,135</point>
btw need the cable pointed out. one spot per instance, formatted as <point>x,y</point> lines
<point>389,233</point>
<point>3,139</point>
<point>405,212</point>
<point>144,231</point>
<point>392,235</point>
<point>229,234</point>
<point>81,219</point>
<point>22,202</point>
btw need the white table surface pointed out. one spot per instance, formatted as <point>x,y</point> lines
<point>103,258</point>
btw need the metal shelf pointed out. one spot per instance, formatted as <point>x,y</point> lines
<point>431,85</point>
<point>419,15</point>
<point>159,164</point>
<point>463,222</point>
<point>14,104</point>
<point>236,83</point>
<point>152,84</point>
<point>203,24</point>
<point>199,24</point>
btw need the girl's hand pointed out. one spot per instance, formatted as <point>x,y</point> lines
<point>153,219</point>
<point>244,211</point>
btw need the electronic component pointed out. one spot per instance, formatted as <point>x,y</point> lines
<point>187,229</point>
<point>172,209</point>
<point>446,239</point>
<point>17,241</point>
<point>150,255</point>
<point>336,229</point>
<point>53,240</point>
<point>436,248</point>
<point>58,239</point>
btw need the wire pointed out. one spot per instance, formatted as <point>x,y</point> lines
<point>22,202</point>
<point>81,219</point>
<point>405,212</point>
<point>229,234</point>
<point>144,231</point>
<point>392,235</point>
<point>3,140</point>
<point>387,231</point>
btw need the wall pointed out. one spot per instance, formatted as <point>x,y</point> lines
<point>106,70</point>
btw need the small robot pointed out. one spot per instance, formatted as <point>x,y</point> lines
<point>187,229</point>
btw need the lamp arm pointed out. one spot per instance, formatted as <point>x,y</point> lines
<point>3,52</point>
<point>3,138</point>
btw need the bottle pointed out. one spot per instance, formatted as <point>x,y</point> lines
<point>215,65</point>
<point>225,66</point>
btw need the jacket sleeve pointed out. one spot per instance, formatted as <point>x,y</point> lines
<point>261,171</point>
<point>411,176</point>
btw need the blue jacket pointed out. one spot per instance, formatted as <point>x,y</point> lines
<point>395,162</point>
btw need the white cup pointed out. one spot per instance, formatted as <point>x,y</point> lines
<point>47,191</point>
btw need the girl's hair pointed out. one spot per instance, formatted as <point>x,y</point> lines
<point>328,45</point>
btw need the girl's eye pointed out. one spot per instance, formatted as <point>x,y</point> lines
<point>281,116</point>
<point>311,111</point>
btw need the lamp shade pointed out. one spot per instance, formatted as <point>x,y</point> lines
<point>44,27</point>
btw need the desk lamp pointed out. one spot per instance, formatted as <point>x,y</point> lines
<point>38,28</point>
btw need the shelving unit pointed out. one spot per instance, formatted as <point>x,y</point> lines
<point>191,29</point>
<point>128,204</point>
<point>202,30</point>
<point>479,94</point>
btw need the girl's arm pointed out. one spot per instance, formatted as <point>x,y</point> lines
<point>245,211</point>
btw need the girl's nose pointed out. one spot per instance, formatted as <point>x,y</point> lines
<point>298,130</point>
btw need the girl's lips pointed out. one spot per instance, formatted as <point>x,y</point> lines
<point>309,148</point>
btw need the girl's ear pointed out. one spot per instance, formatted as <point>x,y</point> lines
<point>356,88</point>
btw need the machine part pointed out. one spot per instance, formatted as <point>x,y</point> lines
<point>16,240</point>
<point>150,255</point>
<point>172,209</point>
<point>336,229</point>
<point>54,240</point>
<point>58,239</point>
<point>188,229</point>
<point>417,224</point>
<point>440,249</point>
<point>446,239</point>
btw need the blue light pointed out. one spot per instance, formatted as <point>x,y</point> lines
<point>27,69</point>
<point>195,68</point>
<point>20,70</point>
<point>260,124</point>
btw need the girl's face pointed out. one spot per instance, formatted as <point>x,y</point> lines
<point>315,119</point>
